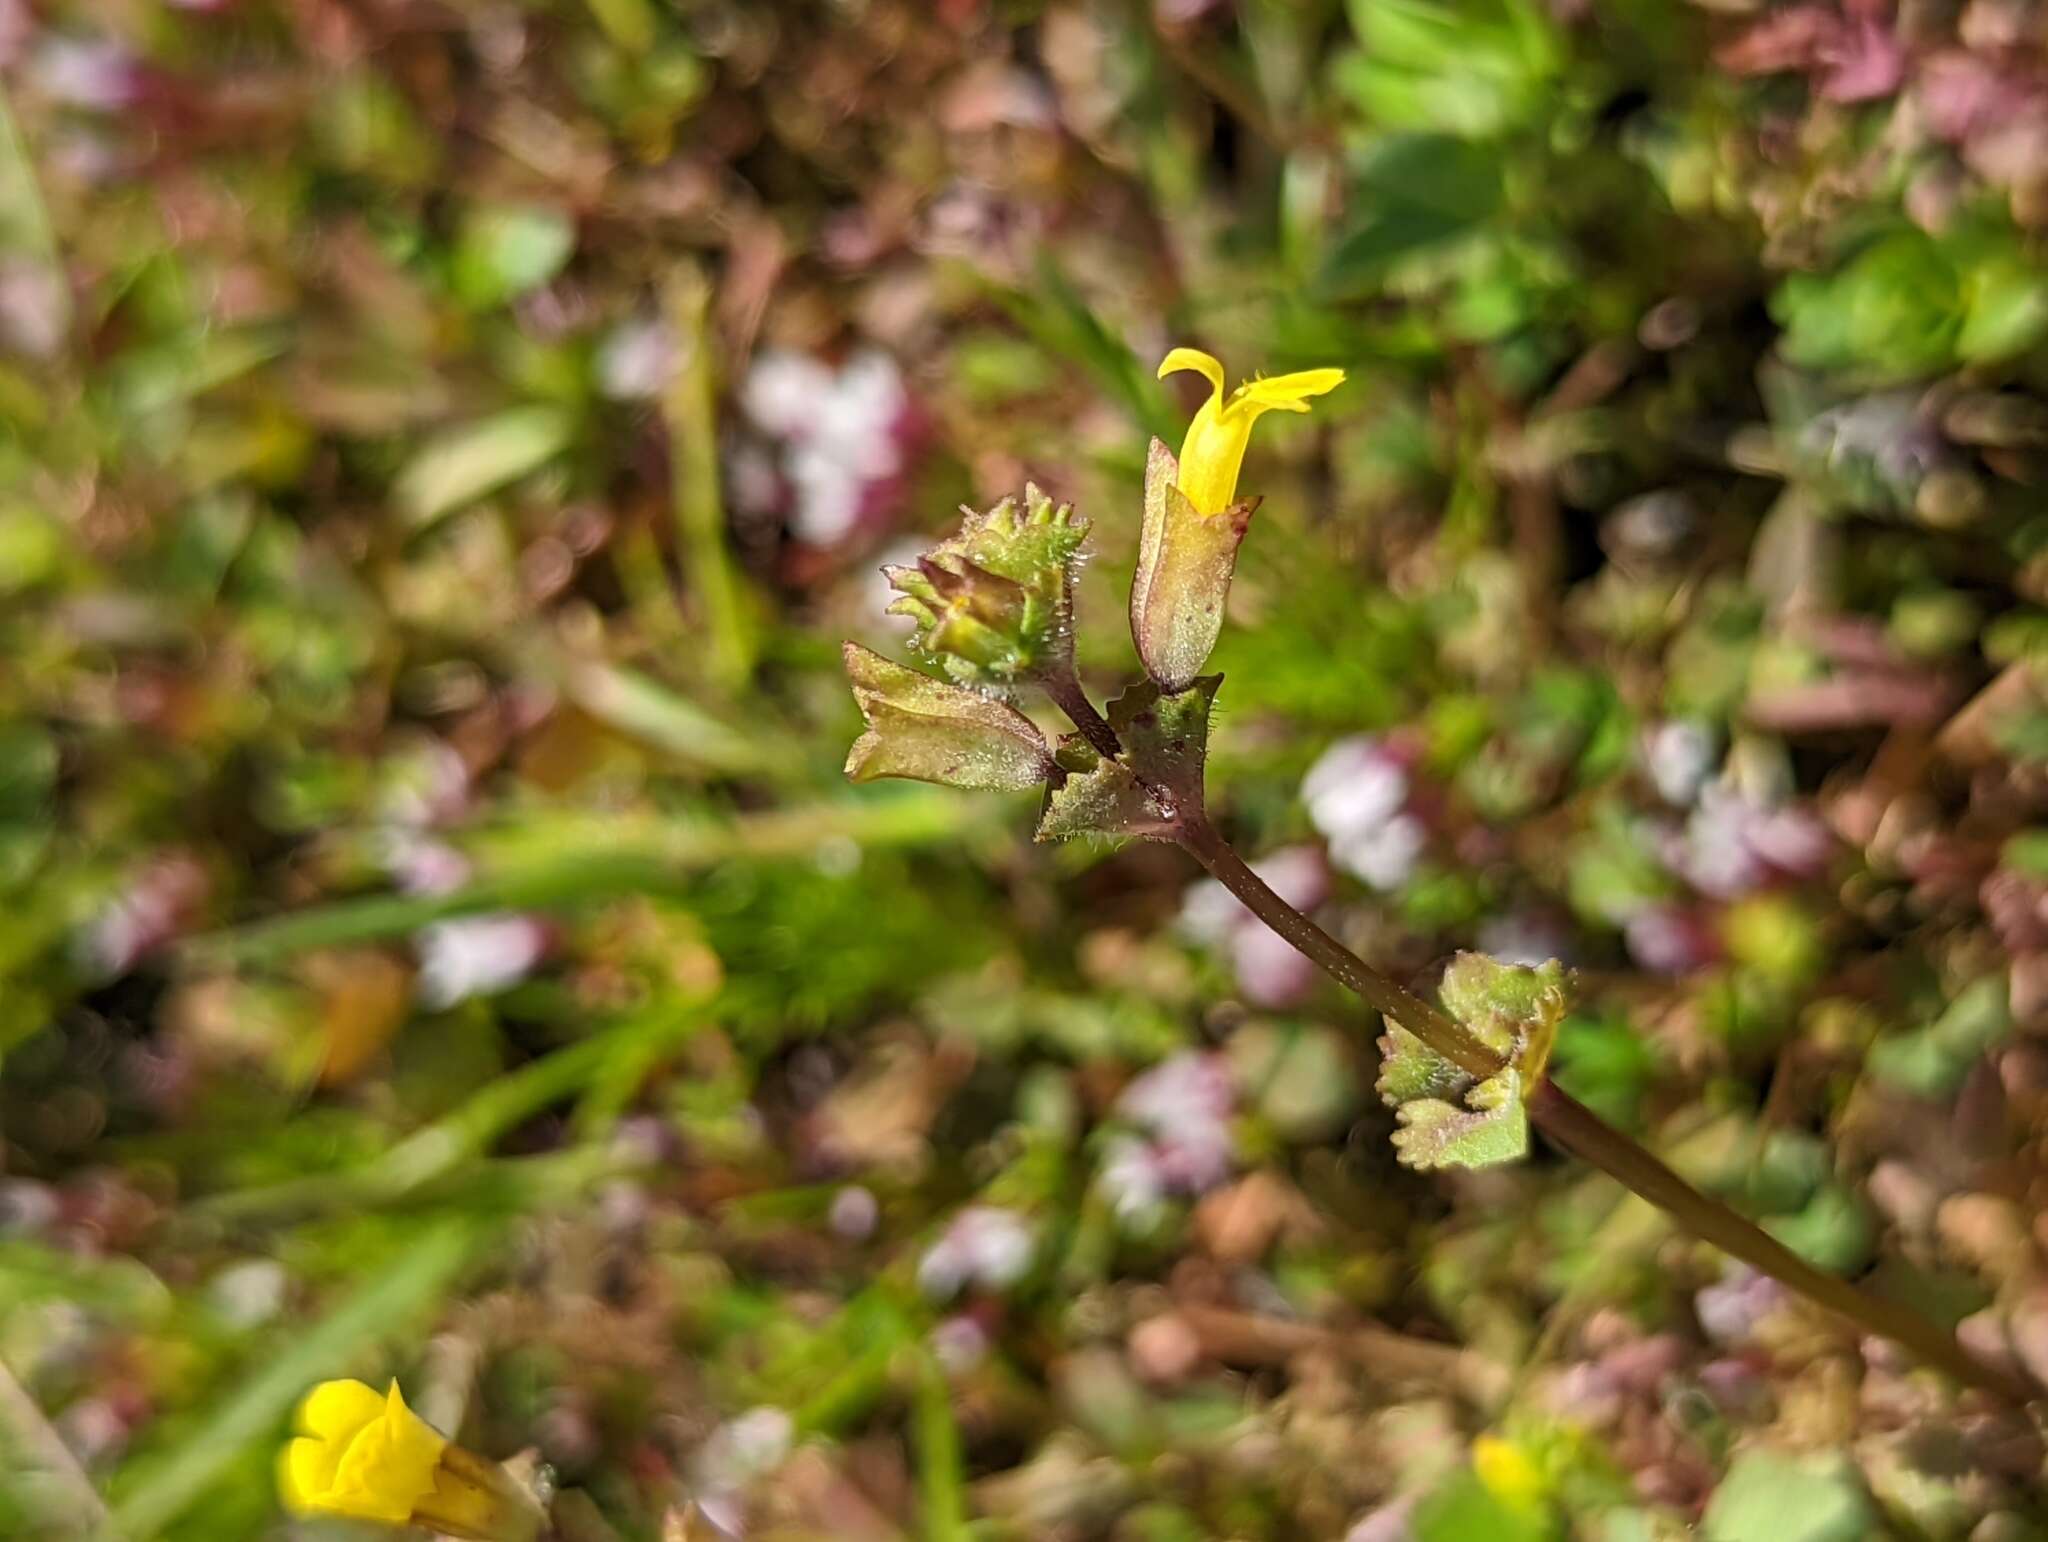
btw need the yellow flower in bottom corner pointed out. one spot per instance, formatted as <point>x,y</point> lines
<point>365,1455</point>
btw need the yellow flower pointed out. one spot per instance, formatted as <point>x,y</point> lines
<point>1509,1473</point>
<point>1213,450</point>
<point>367,1456</point>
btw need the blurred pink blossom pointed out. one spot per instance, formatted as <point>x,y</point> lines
<point>737,1453</point>
<point>960,1342</point>
<point>983,1245</point>
<point>1732,1309</point>
<point>1185,1145</point>
<point>1267,969</point>
<point>428,784</point>
<point>477,955</point>
<point>1678,754</point>
<point>1360,799</point>
<point>158,904</point>
<point>1735,843</point>
<point>1962,94</point>
<point>1855,57</point>
<point>1671,939</point>
<point>637,359</point>
<point>90,73</point>
<point>854,1213</point>
<point>846,437</point>
<point>1862,62</point>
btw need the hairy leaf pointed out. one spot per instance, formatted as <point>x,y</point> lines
<point>1492,1126</point>
<point>1450,1118</point>
<point>1165,739</point>
<point>929,731</point>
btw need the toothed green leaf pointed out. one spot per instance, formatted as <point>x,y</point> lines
<point>1165,739</point>
<point>1410,1069</point>
<point>1450,1118</point>
<point>1512,1008</point>
<point>1491,1127</point>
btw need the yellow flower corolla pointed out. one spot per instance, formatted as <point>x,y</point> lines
<point>1213,451</point>
<point>1509,1473</point>
<point>362,1454</point>
<point>365,1455</point>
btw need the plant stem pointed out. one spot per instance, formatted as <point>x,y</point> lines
<point>690,413</point>
<point>1583,1133</point>
<point>1064,687</point>
<point>1428,1023</point>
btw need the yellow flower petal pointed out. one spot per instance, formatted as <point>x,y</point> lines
<point>335,1410</point>
<point>1204,364</point>
<point>365,1455</point>
<point>1213,452</point>
<point>305,1471</point>
<point>1290,393</point>
<point>1508,1472</point>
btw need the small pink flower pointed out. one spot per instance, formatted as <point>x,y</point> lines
<point>1671,939</point>
<point>1358,783</point>
<point>737,1453</point>
<point>846,435</point>
<point>1269,970</point>
<point>854,1214</point>
<point>1734,844</point>
<point>477,956</point>
<point>1733,1309</point>
<point>34,305</point>
<point>1962,94</point>
<point>983,1245</point>
<point>89,73</point>
<point>1362,800</point>
<point>1183,1108</point>
<point>637,360</point>
<point>422,864</point>
<point>1133,1178</point>
<point>1678,754</point>
<point>1863,62</point>
<point>1385,855</point>
<point>960,1343</point>
<point>158,905</point>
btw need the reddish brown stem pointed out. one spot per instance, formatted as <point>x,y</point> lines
<point>1064,688</point>
<point>1583,1133</point>
<point>1428,1023</point>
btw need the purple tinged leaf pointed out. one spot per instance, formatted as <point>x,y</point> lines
<point>1159,776</point>
<point>1491,1127</point>
<point>929,731</point>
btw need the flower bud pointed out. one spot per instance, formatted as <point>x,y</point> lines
<point>990,602</point>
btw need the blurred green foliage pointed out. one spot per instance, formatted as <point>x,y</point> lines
<point>436,939</point>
